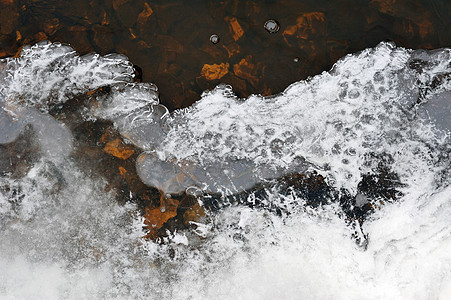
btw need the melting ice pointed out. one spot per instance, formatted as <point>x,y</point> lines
<point>62,236</point>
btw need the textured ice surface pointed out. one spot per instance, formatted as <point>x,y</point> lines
<point>136,113</point>
<point>333,122</point>
<point>48,74</point>
<point>62,236</point>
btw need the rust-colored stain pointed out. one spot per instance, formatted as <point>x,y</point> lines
<point>122,171</point>
<point>212,72</point>
<point>51,26</point>
<point>105,20</point>
<point>235,28</point>
<point>132,34</point>
<point>155,218</point>
<point>307,25</point>
<point>109,133</point>
<point>119,149</point>
<point>145,14</point>
<point>246,70</point>
<point>232,49</point>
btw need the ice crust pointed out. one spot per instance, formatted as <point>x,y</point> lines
<point>332,123</point>
<point>48,74</point>
<point>62,236</point>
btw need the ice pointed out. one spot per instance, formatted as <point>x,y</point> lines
<point>9,128</point>
<point>136,113</point>
<point>54,138</point>
<point>332,122</point>
<point>47,74</point>
<point>63,236</point>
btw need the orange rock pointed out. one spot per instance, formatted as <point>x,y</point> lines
<point>18,35</point>
<point>212,72</point>
<point>235,28</point>
<point>155,218</point>
<point>119,149</point>
<point>307,25</point>
<point>105,20</point>
<point>246,70</point>
<point>18,52</point>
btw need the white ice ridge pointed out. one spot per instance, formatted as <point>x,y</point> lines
<point>136,113</point>
<point>334,122</point>
<point>50,73</point>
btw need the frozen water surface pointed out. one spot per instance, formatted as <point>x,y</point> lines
<point>62,236</point>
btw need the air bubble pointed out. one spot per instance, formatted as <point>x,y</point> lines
<point>354,94</point>
<point>272,26</point>
<point>214,39</point>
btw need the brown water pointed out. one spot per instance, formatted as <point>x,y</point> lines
<point>170,40</point>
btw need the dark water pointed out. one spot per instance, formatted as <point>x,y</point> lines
<point>170,40</point>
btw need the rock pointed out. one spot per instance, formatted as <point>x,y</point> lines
<point>155,218</point>
<point>212,72</point>
<point>235,28</point>
<point>308,26</point>
<point>118,149</point>
<point>247,70</point>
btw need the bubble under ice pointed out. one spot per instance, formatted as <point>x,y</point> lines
<point>60,246</point>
